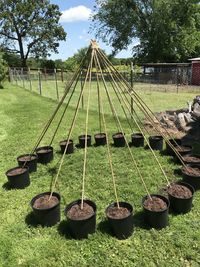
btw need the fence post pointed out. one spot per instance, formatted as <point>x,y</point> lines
<point>39,82</point>
<point>132,87</point>
<point>177,85</point>
<point>29,77</point>
<point>62,75</point>
<point>45,74</point>
<point>55,73</point>
<point>22,76</point>
<point>15,75</point>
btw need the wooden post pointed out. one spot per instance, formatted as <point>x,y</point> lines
<point>62,79</point>
<point>45,74</point>
<point>177,85</point>
<point>29,76</point>
<point>39,82</point>
<point>15,73</point>
<point>57,94</point>
<point>132,87</point>
<point>22,77</point>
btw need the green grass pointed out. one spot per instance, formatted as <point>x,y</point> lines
<point>22,116</point>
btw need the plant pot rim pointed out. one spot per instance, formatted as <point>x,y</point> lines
<point>158,196</point>
<point>78,201</point>
<point>174,139</point>
<point>82,136</point>
<point>101,134</point>
<point>191,188</point>
<point>65,141</point>
<point>18,167</point>
<point>42,194</point>
<point>156,137</point>
<point>114,204</point>
<point>137,134</point>
<point>44,147</point>
<point>114,135</point>
<point>24,155</point>
<point>192,166</point>
<point>191,155</point>
<point>186,146</point>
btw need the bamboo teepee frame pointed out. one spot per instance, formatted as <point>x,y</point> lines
<point>99,65</point>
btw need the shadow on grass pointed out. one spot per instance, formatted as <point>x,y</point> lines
<point>164,153</point>
<point>105,228</point>
<point>63,230</point>
<point>30,220</point>
<point>7,186</point>
<point>138,221</point>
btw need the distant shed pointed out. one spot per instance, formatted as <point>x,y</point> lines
<point>195,79</point>
<point>167,72</point>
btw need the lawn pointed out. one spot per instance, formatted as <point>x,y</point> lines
<point>22,243</point>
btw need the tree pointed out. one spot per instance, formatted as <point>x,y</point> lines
<point>3,70</point>
<point>168,30</point>
<point>30,27</point>
<point>48,64</point>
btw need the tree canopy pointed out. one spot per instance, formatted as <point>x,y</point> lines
<point>168,30</point>
<point>30,28</point>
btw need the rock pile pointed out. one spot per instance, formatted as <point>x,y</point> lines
<point>180,120</point>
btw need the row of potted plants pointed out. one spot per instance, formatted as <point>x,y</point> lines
<point>81,222</point>
<point>155,207</point>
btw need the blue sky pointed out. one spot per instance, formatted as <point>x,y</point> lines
<point>76,24</point>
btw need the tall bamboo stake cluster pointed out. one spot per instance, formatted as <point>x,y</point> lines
<point>105,74</point>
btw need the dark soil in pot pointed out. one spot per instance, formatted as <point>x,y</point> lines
<point>119,140</point>
<point>30,160</point>
<point>70,147</point>
<point>120,219</point>
<point>100,139</point>
<point>18,177</point>
<point>182,150</point>
<point>45,154</point>
<point>81,222</point>
<point>180,197</point>
<point>156,142</point>
<point>137,140</point>
<point>174,142</point>
<point>82,140</point>
<point>46,211</point>
<point>156,211</point>
<point>191,159</point>
<point>191,175</point>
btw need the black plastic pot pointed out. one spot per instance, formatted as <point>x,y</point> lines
<point>156,219</point>
<point>70,147</point>
<point>119,140</point>
<point>193,180</point>
<point>31,161</point>
<point>18,181</point>
<point>44,157</point>
<point>174,142</point>
<point>156,142</point>
<point>137,139</point>
<point>100,139</point>
<point>79,229</point>
<point>122,228</point>
<point>189,161</point>
<point>181,205</point>
<point>187,150</point>
<point>82,140</point>
<point>47,216</point>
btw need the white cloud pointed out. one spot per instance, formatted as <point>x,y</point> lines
<point>78,13</point>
